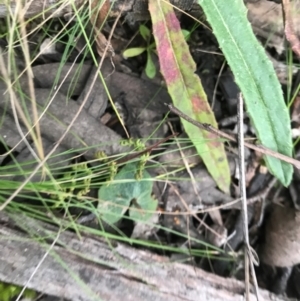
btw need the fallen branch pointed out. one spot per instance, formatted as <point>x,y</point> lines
<point>90,269</point>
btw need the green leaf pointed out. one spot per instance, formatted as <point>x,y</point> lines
<point>145,32</point>
<point>114,199</point>
<point>30,294</point>
<point>131,52</point>
<point>184,86</point>
<point>112,204</point>
<point>150,67</point>
<point>143,208</point>
<point>5,295</point>
<point>255,75</point>
<point>8,291</point>
<point>186,34</point>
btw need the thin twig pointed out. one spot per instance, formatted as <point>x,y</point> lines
<point>264,193</point>
<point>217,84</point>
<point>242,186</point>
<point>260,148</point>
<point>242,182</point>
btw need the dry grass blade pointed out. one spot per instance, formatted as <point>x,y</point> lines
<point>8,73</point>
<point>42,162</point>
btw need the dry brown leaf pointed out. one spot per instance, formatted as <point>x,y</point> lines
<point>99,13</point>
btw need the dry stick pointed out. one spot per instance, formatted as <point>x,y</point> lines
<point>260,148</point>
<point>289,27</point>
<point>242,182</point>
<point>241,143</point>
<point>242,186</point>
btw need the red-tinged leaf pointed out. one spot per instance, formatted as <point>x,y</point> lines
<point>178,69</point>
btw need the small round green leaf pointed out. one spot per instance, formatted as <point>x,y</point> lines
<point>145,32</point>
<point>131,52</point>
<point>115,198</point>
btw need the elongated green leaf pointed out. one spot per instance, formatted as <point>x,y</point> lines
<point>150,66</point>
<point>178,69</point>
<point>256,78</point>
<point>131,52</point>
